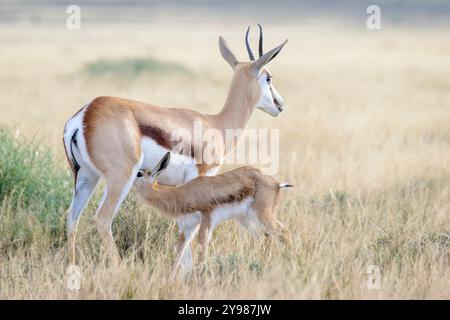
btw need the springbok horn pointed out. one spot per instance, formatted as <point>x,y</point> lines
<point>247,44</point>
<point>260,41</point>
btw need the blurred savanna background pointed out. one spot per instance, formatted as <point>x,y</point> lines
<point>365,138</point>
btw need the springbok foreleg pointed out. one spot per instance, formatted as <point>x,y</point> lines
<point>188,226</point>
<point>204,235</point>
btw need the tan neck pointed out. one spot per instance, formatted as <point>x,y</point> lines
<point>239,105</point>
<point>170,200</point>
<point>164,197</point>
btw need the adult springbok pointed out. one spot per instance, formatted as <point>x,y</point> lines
<point>112,138</point>
<point>244,195</point>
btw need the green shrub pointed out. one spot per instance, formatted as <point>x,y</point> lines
<point>31,178</point>
<point>130,67</point>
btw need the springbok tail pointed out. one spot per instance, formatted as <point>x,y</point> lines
<point>73,142</point>
<point>285,185</point>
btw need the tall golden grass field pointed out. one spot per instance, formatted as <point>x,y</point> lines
<point>365,139</point>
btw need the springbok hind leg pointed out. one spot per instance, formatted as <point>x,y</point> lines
<point>85,183</point>
<point>117,188</point>
<point>283,233</point>
<point>266,207</point>
<point>263,208</point>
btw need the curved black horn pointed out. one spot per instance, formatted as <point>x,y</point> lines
<point>247,44</point>
<point>260,41</point>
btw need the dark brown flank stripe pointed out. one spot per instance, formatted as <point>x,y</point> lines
<point>160,137</point>
<point>231,198</point>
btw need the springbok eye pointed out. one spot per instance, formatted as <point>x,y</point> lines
<point>139,174</point>
<point>269,79</point>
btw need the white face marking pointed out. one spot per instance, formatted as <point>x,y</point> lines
<point>268,95</point>
<point>180,170</point>
<point>145,179</point>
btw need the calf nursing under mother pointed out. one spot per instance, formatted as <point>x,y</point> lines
<point>244,195</point>
<point>112,138</point>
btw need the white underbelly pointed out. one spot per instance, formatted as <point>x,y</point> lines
<point>231,211</point>
<point>181,168</point>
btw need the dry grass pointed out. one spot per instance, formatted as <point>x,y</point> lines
<point>365,139</point>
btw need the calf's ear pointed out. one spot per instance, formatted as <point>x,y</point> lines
<point>161,166</point>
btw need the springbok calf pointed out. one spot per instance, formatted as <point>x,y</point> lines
<point>112,138</point>
<point>243,194</point>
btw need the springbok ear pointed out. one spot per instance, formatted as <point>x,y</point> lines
<point>226,53</point>
<point>161,166</point>
<point>267,57</point>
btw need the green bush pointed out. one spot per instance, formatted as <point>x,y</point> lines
<point>31,178</point>
<point>129,67</point>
